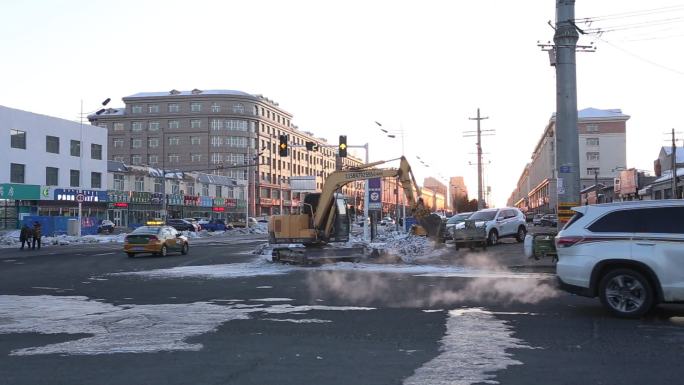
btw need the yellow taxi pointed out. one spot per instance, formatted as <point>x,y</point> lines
<point>155,239</point>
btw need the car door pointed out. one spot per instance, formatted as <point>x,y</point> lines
<point>659,243</point>
<point>174,242</point>
<point>505,226</point>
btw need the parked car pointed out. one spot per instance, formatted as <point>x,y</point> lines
<point>217,225</point>
<point>549,220</point>
<point>499,223</point>
<point>195,222</point>
<point>181,225</point>
<point>241,222</point>
<point>387,221</point>
<point>536,221</point>
<point>106,226</point>
<point>629,254</point>
<point>448,224</point>
<point>157,240</point>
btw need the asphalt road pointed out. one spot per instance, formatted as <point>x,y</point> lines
<point>225,316</point>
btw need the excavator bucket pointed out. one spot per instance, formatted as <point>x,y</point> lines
<point>432,225</point>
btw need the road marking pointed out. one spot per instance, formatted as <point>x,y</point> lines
<point>97,255</point>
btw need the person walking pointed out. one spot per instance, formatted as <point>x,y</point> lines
<point>24,237</point>
<point>36,235</point>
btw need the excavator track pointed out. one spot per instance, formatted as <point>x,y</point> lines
<point>317,255</point>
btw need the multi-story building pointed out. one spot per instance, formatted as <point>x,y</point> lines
<point>46,162</point>
<point>225,132</point>
<point>602,154</point>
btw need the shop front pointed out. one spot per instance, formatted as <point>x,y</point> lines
<point>16,202</point>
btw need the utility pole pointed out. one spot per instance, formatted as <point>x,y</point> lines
<point>674,166</point>
<point>478,134</point>
<point>567,140</point>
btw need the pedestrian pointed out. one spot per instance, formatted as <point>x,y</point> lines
<point>36,235</point>
<point>24,237</point>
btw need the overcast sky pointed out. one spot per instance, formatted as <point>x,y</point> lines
<point>423,67</point>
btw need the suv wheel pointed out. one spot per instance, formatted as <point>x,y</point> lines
<point>626,293</point>
<point>493,237</point>
<point>520,236</point>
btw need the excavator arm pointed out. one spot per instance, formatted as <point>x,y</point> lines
<point>325,211</point>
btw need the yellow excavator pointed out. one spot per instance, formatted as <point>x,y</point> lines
<point>324,216</point>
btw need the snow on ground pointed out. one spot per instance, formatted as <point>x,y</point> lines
<point>10,239</point>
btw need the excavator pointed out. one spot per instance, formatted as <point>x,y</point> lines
<point>324,216</point>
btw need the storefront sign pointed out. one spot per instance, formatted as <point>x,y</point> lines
<point>118,196</point>
<point>241,204</point>
<point>265,201</point>
<point>70,194</point>
<point>190,200</point>
<point>231,203</point>
<point>287,203</point>
<point>174,199</point>
<point>19,191</point>
<point>218,209</point>
<point>205,201</point>
<point>141,197</point>
<point>120,205</point>
<point>219,202</point>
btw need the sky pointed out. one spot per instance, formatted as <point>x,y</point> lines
<point>418,67</point>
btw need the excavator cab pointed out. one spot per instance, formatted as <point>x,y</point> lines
<point>341,217</point>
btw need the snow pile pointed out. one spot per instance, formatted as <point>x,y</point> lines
<point>11,239</point>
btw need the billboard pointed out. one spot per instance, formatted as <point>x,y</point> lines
<point>628,182</point>
<point>303,183</point>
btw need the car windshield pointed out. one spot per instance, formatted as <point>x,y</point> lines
<point>483,215</point>
<point>146,230</point>
<point>458,218</point>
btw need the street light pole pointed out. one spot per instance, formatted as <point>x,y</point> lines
<point>366,222</point>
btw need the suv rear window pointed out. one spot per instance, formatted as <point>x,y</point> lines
<point>622,221</point>
<point>572,220</point>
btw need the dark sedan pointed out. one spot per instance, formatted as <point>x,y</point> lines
<point>181,225</point>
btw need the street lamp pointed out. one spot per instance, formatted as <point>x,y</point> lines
<point>392,134</point>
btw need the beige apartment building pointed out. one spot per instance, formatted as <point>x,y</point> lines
<point>602,138</point>
<point>223,132</point>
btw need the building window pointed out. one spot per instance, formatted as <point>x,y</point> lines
<point>236,141</point>
<point>174,124</point>
<point>236,125</point>
<point>95,151</point>
<point>195,140</point>
<point>136,143</point>
<point>158,185</point>
<point>175,187</point>
<point>592,156</point>
<point>136,159</point>
<point>592,141</point>
<point>52,144</point>
<point>592,127</point>
<point>190,188</point>
<point>215,107</point>
<point>152,159</point>
<point>174,140</point>
<point>75,148</point>
<point>118,126</point>
<point>118,182</point>
<point>174,158</point>
<point>152,142</point>
<point>195,123</point>
<point>119,158</point>
<point>153,108</point>
<point>118,143</point>
<point>215,157</point>
<point>238,108</point>
<point>139,183</point>
<point>219,192</point>
<point>195,107</point>
<point>174,107</point>
<point>216,124</point>
<point>137,109</point>
<point>591,171</point>
<point>196,158</point>
<point>17,172</point>
<point>205,189</point>
<point>137,127</point>
<point>74,178</point>
<point>51,176</point>
<point>216,141</point>
<point>153,126</point>
<point>95,180</point>
<point>18,139</point>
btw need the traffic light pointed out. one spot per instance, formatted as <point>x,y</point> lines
<point>343,146</point>
<point>282,148</point>
<point>311,146</point>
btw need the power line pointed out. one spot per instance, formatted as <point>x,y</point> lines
<point>642,58</point>
<point>631,26</point>
<point>629,14</point>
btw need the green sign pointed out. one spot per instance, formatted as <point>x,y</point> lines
<point>19,191</point>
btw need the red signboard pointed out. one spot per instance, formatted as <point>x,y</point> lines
<point>219,209</point>
<point>231,203</point>
<point>265,201</point>
<point>121,205</point>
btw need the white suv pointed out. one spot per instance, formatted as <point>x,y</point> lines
<point>499,223</point>
<point>629,254</point>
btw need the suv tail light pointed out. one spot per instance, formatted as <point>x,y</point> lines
<point>567,241</point>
